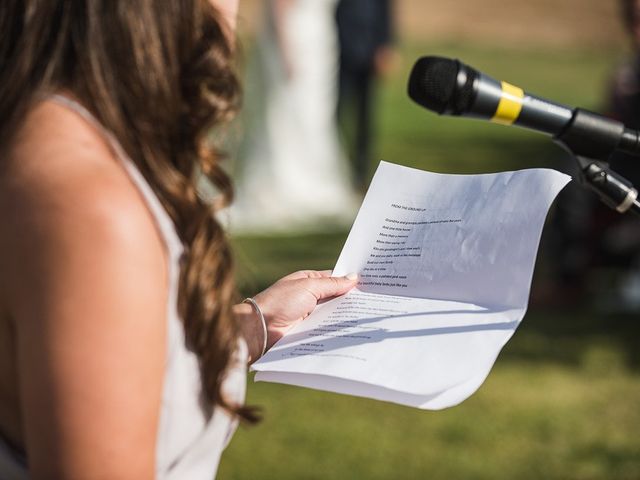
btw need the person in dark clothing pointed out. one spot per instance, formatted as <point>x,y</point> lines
<point>619,240</point>
<point>589,236</point>
<point>365,37</point>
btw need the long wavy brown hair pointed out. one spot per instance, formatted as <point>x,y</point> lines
<point>158,74</point>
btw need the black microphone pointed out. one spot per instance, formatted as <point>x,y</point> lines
<point>447,86</point>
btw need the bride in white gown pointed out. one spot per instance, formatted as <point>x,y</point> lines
<point>291,174</point>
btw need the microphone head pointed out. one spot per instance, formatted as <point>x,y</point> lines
<point>433,83</point>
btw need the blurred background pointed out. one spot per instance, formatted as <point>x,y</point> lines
<point>563,399</point>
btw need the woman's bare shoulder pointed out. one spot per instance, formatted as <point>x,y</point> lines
<point>62,182</point>
<point>82,261</point>
<point>57,153</point>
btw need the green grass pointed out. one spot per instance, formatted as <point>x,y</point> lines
<point>563,400</point>
<point>561,403</point>
<point>529,420</point>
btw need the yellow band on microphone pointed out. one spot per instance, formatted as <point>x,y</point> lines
<point>510,104</point>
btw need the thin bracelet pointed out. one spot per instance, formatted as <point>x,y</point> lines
<point>256,308</point>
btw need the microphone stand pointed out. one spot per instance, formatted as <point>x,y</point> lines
<point>590,140</point>
<point>613,189</point>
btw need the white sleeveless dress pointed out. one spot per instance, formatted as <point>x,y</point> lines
<point>189,444</point>
<point>291,173</point>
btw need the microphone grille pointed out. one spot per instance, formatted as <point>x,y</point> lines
<point>432,82</point>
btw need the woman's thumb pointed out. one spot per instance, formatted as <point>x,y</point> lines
<point>328,287</point>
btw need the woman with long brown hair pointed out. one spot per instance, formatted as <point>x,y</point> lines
<point>123,349</point>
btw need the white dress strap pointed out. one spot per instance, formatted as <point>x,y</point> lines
<point>162,219</point>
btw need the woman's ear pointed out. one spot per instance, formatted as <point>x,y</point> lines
<point>229,10</point>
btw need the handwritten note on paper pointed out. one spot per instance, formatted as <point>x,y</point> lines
<point>445,264</point>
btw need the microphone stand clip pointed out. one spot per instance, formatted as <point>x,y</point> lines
<point>590,139</point>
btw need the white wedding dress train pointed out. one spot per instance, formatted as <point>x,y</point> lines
<point>291,173</point>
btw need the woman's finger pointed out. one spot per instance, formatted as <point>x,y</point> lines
<point>301,274</point>
<point>328,287</point>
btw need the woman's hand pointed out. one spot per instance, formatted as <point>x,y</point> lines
<point>287,302</point>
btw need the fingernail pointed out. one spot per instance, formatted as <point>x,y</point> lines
<point>351,276</point>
